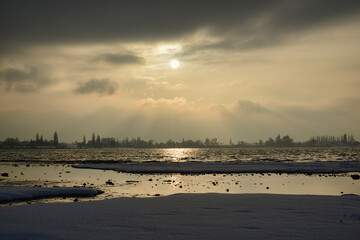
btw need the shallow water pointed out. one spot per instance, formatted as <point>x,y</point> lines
<point>145,185</point>
<point>48,168</point>
<point>180,155</point>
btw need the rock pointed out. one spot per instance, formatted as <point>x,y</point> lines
<point>109,182</point>
<point>4,174</point>
<point>355,176</point>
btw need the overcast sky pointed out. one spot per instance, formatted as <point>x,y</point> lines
<point>248,70</point>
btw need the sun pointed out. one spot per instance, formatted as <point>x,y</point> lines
<point>174,64</point>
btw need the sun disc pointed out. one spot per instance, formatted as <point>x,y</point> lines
<point>174,64</point>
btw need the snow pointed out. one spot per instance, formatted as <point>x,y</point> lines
<point>188,216</point>
<point>15,193</point>
<point>229,167</point>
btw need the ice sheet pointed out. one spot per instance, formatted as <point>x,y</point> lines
<point>15,193</point>
<point>229,167</point>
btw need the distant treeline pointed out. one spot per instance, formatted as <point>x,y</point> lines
<point>110,142</point>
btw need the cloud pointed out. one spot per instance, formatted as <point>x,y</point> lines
<point>120,59</point>
<point>22,80</point>
<point>177,118</point>
<point>177,102</point>
<point>99,86</point>
<point>250,23</point>
<point>250,107</point>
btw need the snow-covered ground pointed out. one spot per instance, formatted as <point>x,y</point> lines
<point>229,167</point>
<point>15,193</point>
<point>188,216</point>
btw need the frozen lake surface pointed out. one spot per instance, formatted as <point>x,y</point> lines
<point>180,194</point>
<point>162,172</point>
<point>120,184</point>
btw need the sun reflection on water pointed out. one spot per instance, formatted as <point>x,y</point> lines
<point>179,154</point>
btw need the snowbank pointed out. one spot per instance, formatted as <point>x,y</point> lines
<point>229,167</point>
<point>14,193</point>
<point>188,216</point>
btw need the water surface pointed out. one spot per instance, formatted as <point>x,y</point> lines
<point>180,155</point>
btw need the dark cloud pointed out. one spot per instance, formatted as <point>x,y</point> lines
<point>251,23</point>
<point>22,80</point>
<point>120,59</point>
<point>100,86</point>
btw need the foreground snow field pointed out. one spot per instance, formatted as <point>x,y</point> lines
<point>188,216</point>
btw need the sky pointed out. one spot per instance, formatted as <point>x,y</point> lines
<point>248,70</point>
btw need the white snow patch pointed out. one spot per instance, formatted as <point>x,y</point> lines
<point>15,193</point>
<point>229,167</point>
<point>188,216</point>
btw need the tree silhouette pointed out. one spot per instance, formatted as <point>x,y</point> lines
<point>98,141</point>
<point>278,140</point>
<point>93,139</point>
<point>56,140</point>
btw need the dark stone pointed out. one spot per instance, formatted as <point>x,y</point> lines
<point>355,176</point>
<point>109,182</point>
<point>4,174</point>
